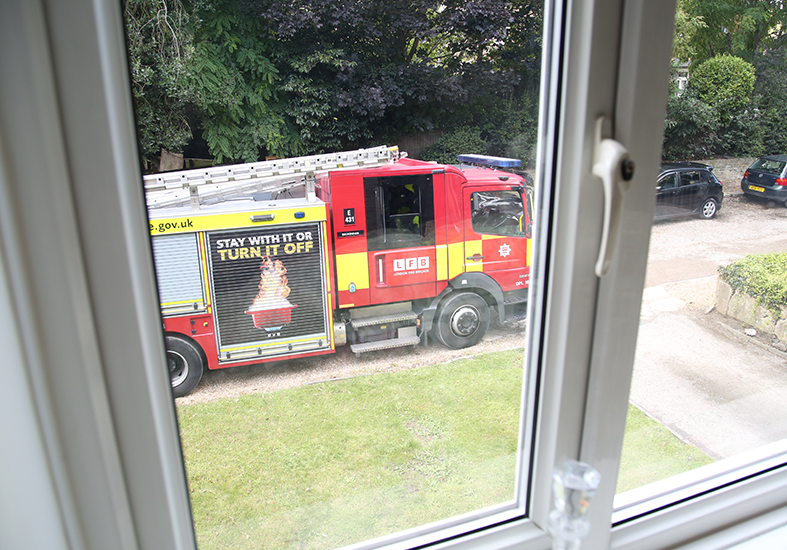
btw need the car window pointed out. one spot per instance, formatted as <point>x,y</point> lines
<point>690,178</point>
<point>770,166</point>
<point>668,182</point>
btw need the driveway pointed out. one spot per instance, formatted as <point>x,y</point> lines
<point>696,371</point>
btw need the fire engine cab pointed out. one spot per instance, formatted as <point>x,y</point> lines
<point>291,258</point>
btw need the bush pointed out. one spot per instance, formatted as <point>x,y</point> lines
<point>725,83</point>
<point>689,129</point>
<point>762,276</point>
<point>464,141</point>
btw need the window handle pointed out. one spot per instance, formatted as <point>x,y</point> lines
<point>613,166</point>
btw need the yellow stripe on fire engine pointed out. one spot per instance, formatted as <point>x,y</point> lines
<point>441,252</point>
<point>529,246</point>
<point>456,259</point>
<point>352,268</point>
<point>204,262</point>
<point>203,221</point>
<point>473,248</point>
<point>277,344</point>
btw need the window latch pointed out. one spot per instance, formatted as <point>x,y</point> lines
<point>574,484</point>
<point>611,163</point>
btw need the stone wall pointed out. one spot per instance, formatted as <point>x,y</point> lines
<point>729,171</point>
<point>745,309</point>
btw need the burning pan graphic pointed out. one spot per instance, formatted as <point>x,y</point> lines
<point>272,319</point>
<point>271,310</point>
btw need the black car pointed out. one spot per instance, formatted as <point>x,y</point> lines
<point>767,177</point>
<point>686,188</point>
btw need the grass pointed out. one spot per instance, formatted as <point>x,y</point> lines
<point>331,464</point>
<point>327,465</point>
<point>651,453</point>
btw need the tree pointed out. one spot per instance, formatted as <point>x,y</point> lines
<point>357,72</point>
<point>275,77</point>
<point>686,28</point>
<point>743,28</point>
<point>160,49</point>
<point>770,92</point>
<point>232,82</point>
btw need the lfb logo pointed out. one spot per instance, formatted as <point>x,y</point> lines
<point>411,264</point>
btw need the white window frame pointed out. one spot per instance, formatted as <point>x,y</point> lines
<point>94,445</point>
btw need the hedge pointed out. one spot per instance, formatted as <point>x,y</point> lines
<point>761,276</point>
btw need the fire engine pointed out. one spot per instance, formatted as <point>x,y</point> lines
<point>291,258</point>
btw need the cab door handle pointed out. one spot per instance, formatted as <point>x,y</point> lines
<point>475,257</point>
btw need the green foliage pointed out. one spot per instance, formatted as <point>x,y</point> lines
<point>743,28</point>
<point>686,28</point>
<point>715,115</point>
<point>725,83</point>
<point>736,49</point>
<point>689,128</point>
<point>251,78</point>
<point>762,276</point>
<point>770,91</point>
<point>511,128</point>
<point>466,140</point>
<point>232,84</point>
<point>160,50</point>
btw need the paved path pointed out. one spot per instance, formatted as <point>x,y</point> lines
<point>705,380</point>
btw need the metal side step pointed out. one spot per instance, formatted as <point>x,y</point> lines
<point>515,317</point>
<point>382,319</point>
<point>510,300</point>
<point>358,349</point>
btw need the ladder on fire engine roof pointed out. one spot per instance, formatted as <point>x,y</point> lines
<point>222,183</point>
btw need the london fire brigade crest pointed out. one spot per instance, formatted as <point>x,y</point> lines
<point>504,250</point>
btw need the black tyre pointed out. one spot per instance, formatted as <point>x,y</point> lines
<point>462,320</point>
<point>185,365</point>
<point>709,209</point>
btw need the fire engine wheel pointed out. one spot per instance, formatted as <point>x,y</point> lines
<point>185,365</point>
<point>462,320</point>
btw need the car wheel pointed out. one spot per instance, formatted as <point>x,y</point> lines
<point>462,320</point>
<point>708,209</point>
<point>185,365</point>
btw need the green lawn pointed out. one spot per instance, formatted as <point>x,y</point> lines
<point>651,452</point>
<point>331,464</point>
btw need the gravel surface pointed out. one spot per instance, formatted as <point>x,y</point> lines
<point>270,377</point>
<point>690,248</point>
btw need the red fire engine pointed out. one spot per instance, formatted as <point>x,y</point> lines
<point>291,258</point>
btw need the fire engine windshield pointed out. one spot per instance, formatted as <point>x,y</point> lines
<point>499,213</point>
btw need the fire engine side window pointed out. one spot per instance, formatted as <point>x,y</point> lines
<point>399,211</point>
<point>498,213</point>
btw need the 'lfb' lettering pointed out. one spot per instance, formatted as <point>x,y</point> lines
<point>410,264</point>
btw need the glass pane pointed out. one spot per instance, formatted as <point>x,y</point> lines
<point>709,378</point>
<point>345,333</point>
